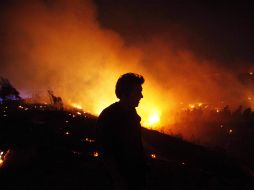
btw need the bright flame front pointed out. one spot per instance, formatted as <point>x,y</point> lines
<point>152,120</point>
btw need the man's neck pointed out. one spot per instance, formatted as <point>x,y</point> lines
<point>126,105</point>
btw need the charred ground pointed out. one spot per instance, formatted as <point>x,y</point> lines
<point>46,148</point>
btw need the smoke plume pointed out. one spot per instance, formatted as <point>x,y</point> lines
<point>60,45</point>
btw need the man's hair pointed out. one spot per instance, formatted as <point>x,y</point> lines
<point>126,82</point>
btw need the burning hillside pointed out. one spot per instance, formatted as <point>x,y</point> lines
<point>58,149</point>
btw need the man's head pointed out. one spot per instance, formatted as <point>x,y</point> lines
<point>129,89</point>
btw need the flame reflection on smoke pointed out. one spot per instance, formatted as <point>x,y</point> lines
<point>61,45</point>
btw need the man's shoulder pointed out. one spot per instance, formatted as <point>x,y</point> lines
<point>112,109</point>
<point>111,114</point>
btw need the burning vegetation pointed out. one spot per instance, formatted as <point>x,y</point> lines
<point>61,45</point>
<point>38,138</point>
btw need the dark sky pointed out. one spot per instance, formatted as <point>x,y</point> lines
<point>214,30</point>
<point>221,30</point>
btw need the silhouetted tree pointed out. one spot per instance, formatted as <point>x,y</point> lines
<point>247,112</point>
<point>55,100</point>
<point>7,91</point>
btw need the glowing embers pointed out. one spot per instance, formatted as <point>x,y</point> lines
<point>197,105</point>
<point>183,163</point>
<point>76,153</point>
<point>3,157</point>
<point>153,156</point>
<point>24,108</point>
<point>67,133</point>
<point>90,140</point>
<point>20,107</point>
<point>95,154</point>
<point>191,106</point>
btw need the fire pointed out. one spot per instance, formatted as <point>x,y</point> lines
<point>3,157</point>
<point>151,116</point>
<point>153,119</point>
<point>153,156</point>
<point>151,108</point>
<point>200,104</point>
<point>78,106</point>
<point>95,154</point>
<point>89,140</point>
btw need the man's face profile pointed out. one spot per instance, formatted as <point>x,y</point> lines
<point>135,95</point>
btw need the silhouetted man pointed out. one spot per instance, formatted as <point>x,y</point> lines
<point>120,134</point>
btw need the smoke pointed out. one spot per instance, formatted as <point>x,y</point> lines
<point>60,45</point>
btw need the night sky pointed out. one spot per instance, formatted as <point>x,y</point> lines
<point>220,30</point>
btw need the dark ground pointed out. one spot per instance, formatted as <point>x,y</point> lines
<point>45,148</point>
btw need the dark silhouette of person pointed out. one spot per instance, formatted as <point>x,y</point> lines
<point>120,135</point>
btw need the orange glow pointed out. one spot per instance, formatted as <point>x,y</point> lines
<point>78,106</point>
<point>152,120</point>
<point>3,157</point>
<point>89,140</point>
<point>95,154</point>
<point>153,156</point>
<point>20,107</point>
